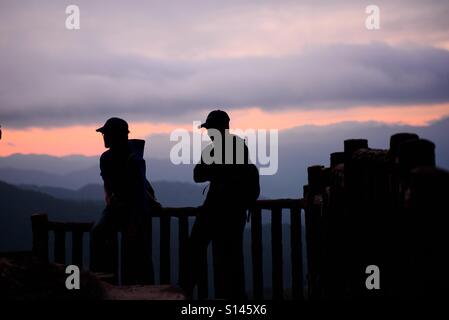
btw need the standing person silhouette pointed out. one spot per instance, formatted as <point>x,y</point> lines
<point>233,188</point>
<point>129,198</point>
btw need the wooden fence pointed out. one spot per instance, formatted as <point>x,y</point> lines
<point>276,208</point>
<point>386,208</point>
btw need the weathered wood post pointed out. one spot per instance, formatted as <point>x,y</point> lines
<point>165,261</point>
<point>396,140</point>
<point>427,207</point>
<point>39,224</point>
<point>348,235</point>
<point>415,153</point>
<point>60,246</point>
<point>296,253</point>
<point>332,287</point>
<point>313,224</point>
<point>395,248</point>
<point>371,217</point>
<point>276,254</point>
<point>257,252</point>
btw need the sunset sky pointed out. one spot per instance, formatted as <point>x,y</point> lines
<point>163,64</point>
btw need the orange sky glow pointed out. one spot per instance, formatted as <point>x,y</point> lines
<point>83,140</point>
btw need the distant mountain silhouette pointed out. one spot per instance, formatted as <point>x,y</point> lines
<point>88,192</point>
<point>17,205</point>
<point>28,176</point>
<point>48,164</point>
<point>173,194</point>
<point>85,204</point>
<point>34,170</point>
<point>299,148</point>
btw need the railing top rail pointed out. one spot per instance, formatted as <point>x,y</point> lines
<point>279,204</point>
<point>41,220</point>
<point>70,226</point>
<point>267,204</point>
<point>178,212</point>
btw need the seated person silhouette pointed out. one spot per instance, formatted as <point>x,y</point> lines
<point>129,199</point>
<point>234,187</point>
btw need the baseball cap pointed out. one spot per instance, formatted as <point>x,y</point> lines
<point>114,125</point>
<point>216,118</point>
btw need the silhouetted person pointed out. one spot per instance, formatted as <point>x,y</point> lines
<point>221,219</point>
<point>129,199</point>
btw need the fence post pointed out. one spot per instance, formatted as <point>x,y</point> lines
<point>256,252</point>
<point>39,224</point>
<point>331,273</point>
<point>60,246</point>
<point>296,253</point>
<point>313,227</point>
<point>276,247</point>
<point>165,249</point>
<point>183,238</point>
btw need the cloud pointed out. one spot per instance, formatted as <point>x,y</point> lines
<point>83,88</point>
<point>156,61</point>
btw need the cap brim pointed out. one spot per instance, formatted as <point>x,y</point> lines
<point>102,129</point>
<point>204,125</point>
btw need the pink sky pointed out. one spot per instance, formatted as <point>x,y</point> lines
<point>82,139</point>
<point>278,64</point>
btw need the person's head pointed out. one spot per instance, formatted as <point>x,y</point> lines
<point>115,132</point>
<point>218,120</point>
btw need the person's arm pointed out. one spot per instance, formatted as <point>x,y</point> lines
<point>107,194</point>
<point>107,191</point>
<point>203,172</point>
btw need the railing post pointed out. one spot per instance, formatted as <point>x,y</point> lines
<point>332,270</point>
<point>39,223</point>
<point>296,253</point>
<point>256,252</point>
<point>313,228</point>
<point>203,281</point>
<point>183,242</point>
<point>165,249</point>
<point>349,258</point>
<point>276,246</point>
<point>60,246</point>
<point>77,248</point>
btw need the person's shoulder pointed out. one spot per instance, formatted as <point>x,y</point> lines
<point>105,156</point>
<point>105,162</point>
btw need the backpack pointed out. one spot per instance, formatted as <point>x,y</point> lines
<point>249,186</point>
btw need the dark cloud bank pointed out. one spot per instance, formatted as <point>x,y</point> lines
<point>42,90</point>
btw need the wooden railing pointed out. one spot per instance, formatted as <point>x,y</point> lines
<point>41,228</point>
<point>377,207</point>
<point>363,209</point>
<point>276,206</point>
